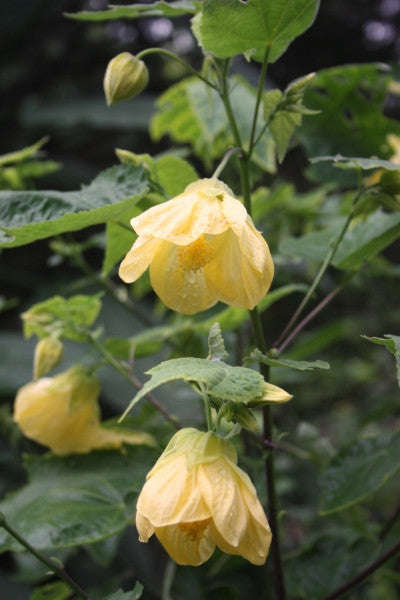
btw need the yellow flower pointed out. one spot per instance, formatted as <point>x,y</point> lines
<point>196,498</point>
<point>62,413</point>
<point>202,247</point>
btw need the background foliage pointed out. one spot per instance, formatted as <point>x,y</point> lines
<point>337,463</point>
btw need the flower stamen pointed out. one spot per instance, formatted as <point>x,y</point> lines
<point>196,255</point>
<point>194,529</point>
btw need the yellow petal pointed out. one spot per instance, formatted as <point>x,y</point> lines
<point>223,497</point>
<point>138,258</point>
<point>184,548</point>
<point>185,291</point>
<point>144,527</point>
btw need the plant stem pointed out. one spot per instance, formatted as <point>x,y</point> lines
<point>49,563</point>
<point>314,285</point>
<point>364,574</point>
<point>260,90</point>
<point>177,59</point>
<point>223,162</point>
<point>130,377</point>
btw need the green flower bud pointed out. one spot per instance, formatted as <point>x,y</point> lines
<point>126,76</point>
<point>48,354</point>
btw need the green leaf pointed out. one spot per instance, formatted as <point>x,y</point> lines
<point>361,243</point>
<point>76,500</point>
<point>230,27</point>
<point>173,174</point>
<point>358,471</point>
<point>191,112</point>
<point>282,127</point>
<point>221,381</point>
<point>135,11</point>
<point>29,216</point>
<point>345,162</point>
<point>298,365</point>
<point>145,343</point>
<point>62,315</point>
<point>57,590</point>
<point>351,122</point>
<point>216,346</point>
<point>21,155</point>
<point>135,594</point>
<point>392,343</point>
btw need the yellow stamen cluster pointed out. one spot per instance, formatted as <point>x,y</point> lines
<point>196,255</point>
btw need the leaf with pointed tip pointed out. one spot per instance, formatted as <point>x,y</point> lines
<point>135,11</point>
<point>216,346</point>
<point>34,215</point>
<point>392,343</point>
<point>230,27</point>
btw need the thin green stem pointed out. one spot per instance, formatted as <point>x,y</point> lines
<point>177,59</point>
<point>260,90</point>
<point>224,161</point>
<point>49,563</point>
<point>130,377</point>
<point>315,283</point>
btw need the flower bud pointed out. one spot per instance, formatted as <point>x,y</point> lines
<point>48,354</point>
<point>126,76</point>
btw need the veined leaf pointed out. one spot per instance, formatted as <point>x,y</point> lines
<point>135,11</point>
<point>190,112</point>
<point>346,162</point>
<point>78,499</point>
<point>364,241</point>
<point>298,365</point>
<point>392,343</point>
<point>220,380</point>
<point>33,215</point>
<point>358,470</point>
<point>230,27</point>
<point>135,594</point>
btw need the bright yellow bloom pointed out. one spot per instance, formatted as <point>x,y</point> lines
<point>202,247</point>
<point>62,412</point>
<point>196,498</point>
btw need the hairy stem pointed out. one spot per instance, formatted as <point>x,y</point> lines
<point>54,568</point>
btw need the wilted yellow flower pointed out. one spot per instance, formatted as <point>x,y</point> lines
<point>62,413</point>
<point>126,76</point>
<point>196,498</point>
<point>202,247</point>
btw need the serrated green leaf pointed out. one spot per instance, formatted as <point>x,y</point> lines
<point>351,121</point>
<point>173,174</point>
<point>272,99</point>
<point>229,27</point>
<point>298,365</point>
<point>32,215</point>
<point>135,11</point>
<point>62,314</point>
<point>135,594</point>
<point>57,590</point>
<point>345,162</point>
<point>76,500</point>
<point>219,380</point>
<point>282,127</point>
<point>216,346</point>
<point>358,471</point>
<point>392,343</point>
<point>191,112</point>
<point>363,242</point>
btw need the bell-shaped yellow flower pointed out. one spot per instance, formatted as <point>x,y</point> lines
<point>62,413</point>
<point>202,247</point>
<point>196,498</point>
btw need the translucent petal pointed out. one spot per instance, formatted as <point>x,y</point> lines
<point>144,527</point>
<point>170,496</point>
<point>182,548</point>
<point>222,494</point>
<point>186,292</point>
<point>138,258</point>
<point>182,219</point>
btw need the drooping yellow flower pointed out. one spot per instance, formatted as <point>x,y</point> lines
<point>202,247</point>
<point>196,498</point>
<point>62,413</point>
